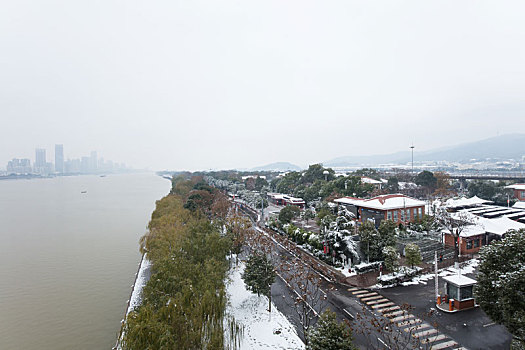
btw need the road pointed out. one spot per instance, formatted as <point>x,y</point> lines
<point>340,300</point>
<point>472,329</point>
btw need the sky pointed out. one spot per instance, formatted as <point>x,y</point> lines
<point>206,84</point>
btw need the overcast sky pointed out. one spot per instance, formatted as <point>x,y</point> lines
<point>221,84</point>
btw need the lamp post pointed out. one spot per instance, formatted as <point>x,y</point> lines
<point>412,148</point>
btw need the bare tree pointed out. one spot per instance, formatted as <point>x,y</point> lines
<point>381,332</point>
<point>305,284</point>
<point>454,223</point>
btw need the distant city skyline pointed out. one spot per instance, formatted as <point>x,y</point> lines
<point>84,165</point>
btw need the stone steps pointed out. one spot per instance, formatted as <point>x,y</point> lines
<point>382,306</point>
<point>444,345</point>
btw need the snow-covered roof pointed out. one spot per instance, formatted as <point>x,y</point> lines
<point>368,180</point>
<point>384,202</point>
<point>471,231</point>
<point>465,202</point>
<point>516,186</point>
<point>460,280</point>
<point>253,177</point>
<point>519,205</point>
<point>498,226</point>
<point>293,200</point>
<point>276,195</point>
<point>501,225</point>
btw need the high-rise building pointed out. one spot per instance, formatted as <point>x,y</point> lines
<point>59,159</point>
<point>19,166</point>
<point>40,160</point>
<point>85,165</point>
<point>93,163</point>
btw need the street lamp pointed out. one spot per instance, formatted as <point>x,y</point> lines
<point>412,147</point>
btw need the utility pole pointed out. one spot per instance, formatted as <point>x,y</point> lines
<point>412,147</point>
<point>436,281</point>
<point>262,208</point>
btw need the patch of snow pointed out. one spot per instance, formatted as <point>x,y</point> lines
<point>344,270</point>
<point>419,279</point>
<point>261,330</point>
<point>140,282</point>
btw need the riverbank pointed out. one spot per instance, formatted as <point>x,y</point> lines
<point>142,277</point>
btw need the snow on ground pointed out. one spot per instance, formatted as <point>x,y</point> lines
<point>135,299</point>
<point>260,327</point>
<point>419,279</point>
<point>140,282</point>
<point>344,270</point>
<point>465,268</point>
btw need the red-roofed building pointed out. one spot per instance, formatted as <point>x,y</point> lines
<point>395,207</point>
<point>283,199</point>
<point>519,191</point>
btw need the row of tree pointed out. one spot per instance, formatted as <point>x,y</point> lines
<point>183,303</point>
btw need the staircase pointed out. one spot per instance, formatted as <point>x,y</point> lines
<point>428,247</point>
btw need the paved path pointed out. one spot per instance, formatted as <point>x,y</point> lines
<point>428,335</point>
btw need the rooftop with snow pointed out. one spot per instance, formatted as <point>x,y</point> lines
<point>383,202</point>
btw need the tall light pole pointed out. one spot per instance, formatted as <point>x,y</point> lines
<point>412,147</point>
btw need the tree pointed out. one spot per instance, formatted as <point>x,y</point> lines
<point>236,229</point>
<point>367,238</point>
<point>259,275</point>
<point>306,285</point>
<point>308,214</point>
<point>250,183</point>
<point>426,180</point>
<point>316,172</point>
<point>443,186</point>
<point>260,183</point>
<point>329,334</point>
<point>391,257</point>
<point>393,184</point>
<point>501,283</point>
<point>374,240</point>
<point>489,190</point>
<point>413,254</point>
<point>288,213</point>
<point>454,223</point>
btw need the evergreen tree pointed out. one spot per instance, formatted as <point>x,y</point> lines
<point>413,254</point>
<point>373,240</point>
<point>500,289</point>
<point>259,275</point>
<point>391,258</point>
<point>330,334</point>
<point>288,213</point>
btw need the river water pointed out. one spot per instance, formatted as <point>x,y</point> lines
<point>68,259</point>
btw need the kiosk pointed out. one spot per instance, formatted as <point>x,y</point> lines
<point>459,292</point>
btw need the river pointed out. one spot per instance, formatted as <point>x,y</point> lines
<point>68,259</point>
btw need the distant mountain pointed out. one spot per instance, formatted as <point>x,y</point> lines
<point>510,146</point>
<point>279,166</point>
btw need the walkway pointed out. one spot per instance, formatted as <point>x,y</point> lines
<point>427,335</point>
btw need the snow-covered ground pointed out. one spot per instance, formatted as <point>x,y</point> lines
<point>135,299</point>
<point>140,282</point>
<point>467,267</point>
<point>261,330</point>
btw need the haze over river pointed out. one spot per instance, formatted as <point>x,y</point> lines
<point>68,259</point>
